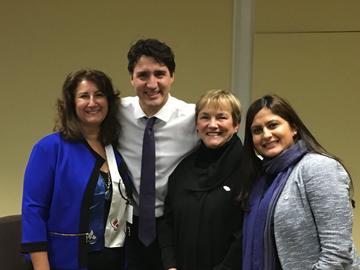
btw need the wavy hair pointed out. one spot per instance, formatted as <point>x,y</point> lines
<point>67,122</point>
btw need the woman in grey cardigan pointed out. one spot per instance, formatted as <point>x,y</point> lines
<point>299,209</point>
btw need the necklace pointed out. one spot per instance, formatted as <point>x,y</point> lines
<point>107,184</point>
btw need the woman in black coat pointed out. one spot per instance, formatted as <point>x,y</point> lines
<point>202,218</point>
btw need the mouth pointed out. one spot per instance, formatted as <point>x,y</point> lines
<point>152,93</point>
<point>213,133</point>
<point>91,112</point>
<point>270,144</point>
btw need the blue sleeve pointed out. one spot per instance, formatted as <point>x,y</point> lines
<point>37,194</point>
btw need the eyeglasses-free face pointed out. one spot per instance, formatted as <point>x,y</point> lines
<point>215,125</point>
<point>91,105</point>
<point>271,134</point>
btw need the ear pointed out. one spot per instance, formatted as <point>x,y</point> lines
<point>236,127</point>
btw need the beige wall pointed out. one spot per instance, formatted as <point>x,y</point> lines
<point>41,41</point>
<point>308,52</point>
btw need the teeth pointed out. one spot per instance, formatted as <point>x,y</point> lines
<point>269,144</point>
<point>92,112</point>
<point>154,92</point>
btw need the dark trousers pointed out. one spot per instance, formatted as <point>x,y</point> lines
<point>106,259</point>
<point>138,256</point>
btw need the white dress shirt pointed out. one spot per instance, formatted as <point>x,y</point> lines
<point>175,136</point>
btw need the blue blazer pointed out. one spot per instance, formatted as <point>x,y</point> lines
<point>59,183</point>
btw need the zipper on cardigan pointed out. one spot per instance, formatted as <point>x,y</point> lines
<point>71,235</point>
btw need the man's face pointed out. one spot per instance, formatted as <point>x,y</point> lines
<point>152,82</point>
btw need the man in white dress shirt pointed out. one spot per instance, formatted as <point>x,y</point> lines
<point>151,66</point>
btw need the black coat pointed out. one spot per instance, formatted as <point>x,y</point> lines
<point>202,222</point>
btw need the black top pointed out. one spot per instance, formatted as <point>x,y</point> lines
<point>202,217</point>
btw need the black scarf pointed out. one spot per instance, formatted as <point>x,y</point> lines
<point>214,166</point>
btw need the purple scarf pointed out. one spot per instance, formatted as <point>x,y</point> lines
<point>259,251</point>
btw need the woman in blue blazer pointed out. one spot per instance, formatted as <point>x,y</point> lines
<point>76,185</point>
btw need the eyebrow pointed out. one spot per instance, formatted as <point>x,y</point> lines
<point>141,72</point>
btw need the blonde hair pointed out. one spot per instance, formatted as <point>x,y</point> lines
<point>218,97</point>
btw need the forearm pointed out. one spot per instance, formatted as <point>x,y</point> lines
<point>40,260</point>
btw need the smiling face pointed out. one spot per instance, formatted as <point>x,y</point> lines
<point>91,105</point>
<point>271,134</point>
<point>152,82</point>
<point>215,125</point>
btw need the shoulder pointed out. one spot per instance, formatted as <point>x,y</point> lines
<point>46,149</point>
<point>54,142</point>
<point>181,105</point>
<point>187,163</point>
<point>128,102</point>
<point>317,166</point>
<point>315,162</point>
<point>49,140</point>
<point>189,159</point>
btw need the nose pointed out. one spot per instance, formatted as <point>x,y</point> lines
<point>267,133</point>
<point>152,82</point>
<point>92,101</point>
<point>212,123</point>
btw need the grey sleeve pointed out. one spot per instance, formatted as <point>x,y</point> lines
<point>327,190</point>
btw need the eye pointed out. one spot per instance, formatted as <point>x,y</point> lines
<point>142,75</point>
<point>100,94</point>
<point>223,117</point>
<point>273,125</point>
<point>83,95</point>
<point>256,130</point>
<point>159,74</point>
<point>203,117</point>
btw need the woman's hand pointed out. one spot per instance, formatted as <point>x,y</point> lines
<point>40,260</point>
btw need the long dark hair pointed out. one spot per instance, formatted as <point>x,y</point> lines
<point>67,122</point>
<point>282,108</point>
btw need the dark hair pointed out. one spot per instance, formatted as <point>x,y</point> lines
<point>67,122</point>
<point>161,52</point>
<point>282,108</point>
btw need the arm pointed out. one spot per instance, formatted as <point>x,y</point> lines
<point>37,193</point>
<point>40,260</point>
<point>232,260</point>
<point>327,190</point>
<point>165,233</point>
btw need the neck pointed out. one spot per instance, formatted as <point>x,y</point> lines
<point>152,110</point>
<point>149,111</point>
<point>94,142</point>
<point>91,134</point>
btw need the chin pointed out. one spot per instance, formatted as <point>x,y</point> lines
<point>214,145</point>
<point>271,154</point>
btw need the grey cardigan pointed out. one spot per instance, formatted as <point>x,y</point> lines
<point>313,217</point>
